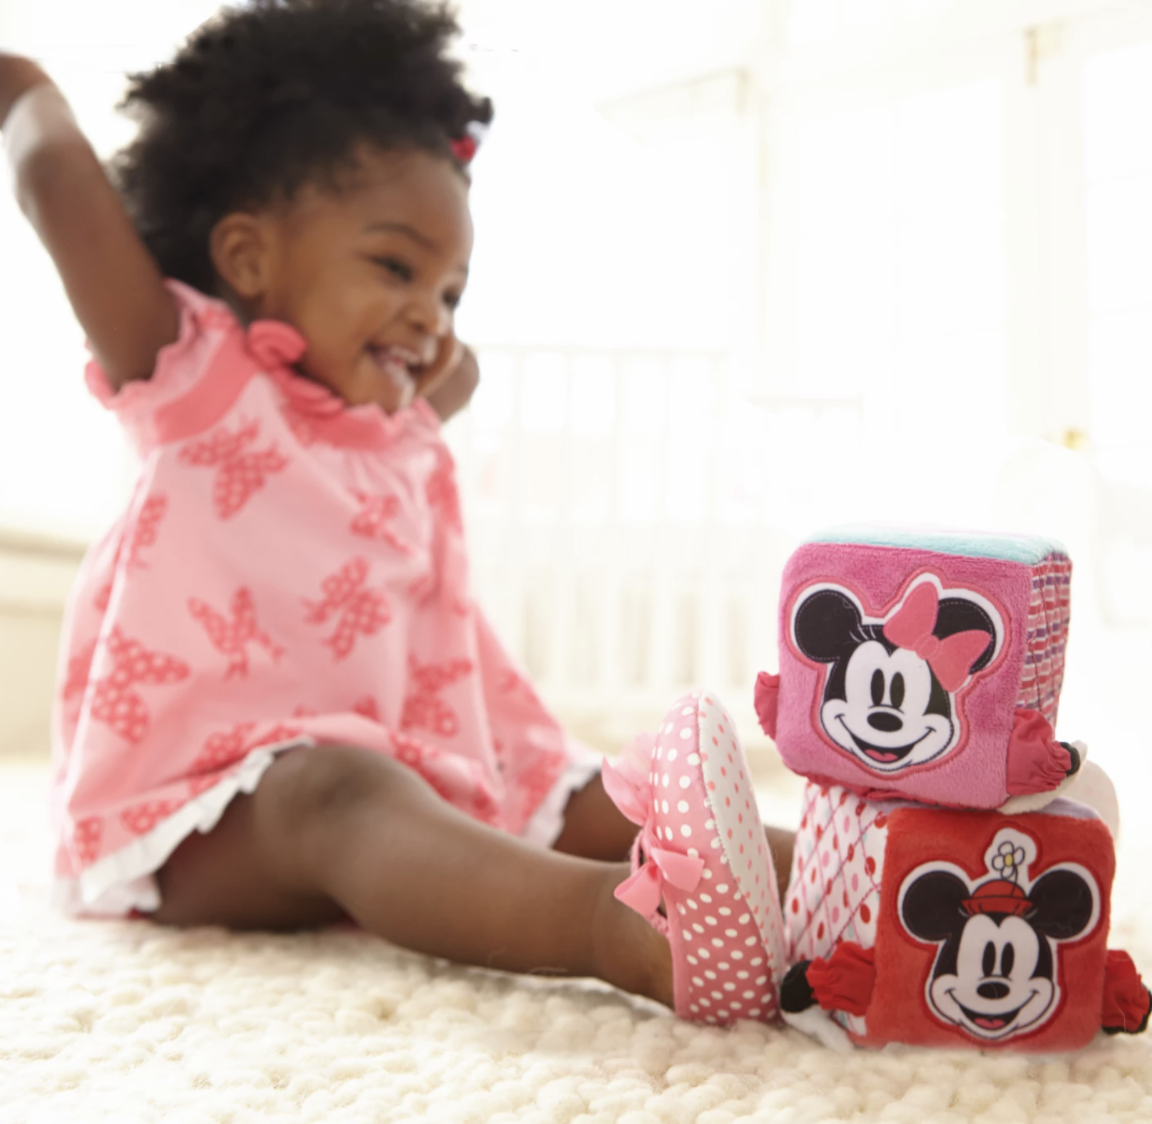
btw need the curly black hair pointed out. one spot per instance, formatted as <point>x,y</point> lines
<point>275,94</point>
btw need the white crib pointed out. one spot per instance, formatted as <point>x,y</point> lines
<point>624,537</point>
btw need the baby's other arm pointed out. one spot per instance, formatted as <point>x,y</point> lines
<point>112,281</point>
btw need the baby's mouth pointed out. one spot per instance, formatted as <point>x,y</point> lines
<point>399,366</point>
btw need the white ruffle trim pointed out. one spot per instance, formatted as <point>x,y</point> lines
<point>123,881</point>
<point>548,820</point>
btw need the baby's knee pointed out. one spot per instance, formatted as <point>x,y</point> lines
<point>316,785</point>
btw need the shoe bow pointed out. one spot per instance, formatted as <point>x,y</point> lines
<point>656,864</point>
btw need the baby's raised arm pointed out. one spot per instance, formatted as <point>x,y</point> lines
<point>112,281</point>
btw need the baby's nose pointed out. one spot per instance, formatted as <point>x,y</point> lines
<point>429,314</point>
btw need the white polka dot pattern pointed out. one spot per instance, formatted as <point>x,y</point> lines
<point>738,826</point>
<point>731,922</point>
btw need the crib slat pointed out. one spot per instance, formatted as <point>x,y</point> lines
<point>613,615</point>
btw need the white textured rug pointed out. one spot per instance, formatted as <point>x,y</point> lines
<point>129,1022</point>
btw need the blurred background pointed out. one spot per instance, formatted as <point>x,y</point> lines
<point>744,269</point>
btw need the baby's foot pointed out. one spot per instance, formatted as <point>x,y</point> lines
<point>780,844</point>
<point>703,853</point>
<point>628,952</point>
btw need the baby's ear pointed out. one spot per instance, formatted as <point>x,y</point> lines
<point>823,623</point>
<point>243,248</point>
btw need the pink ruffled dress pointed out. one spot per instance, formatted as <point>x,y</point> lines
<point>289,571</point>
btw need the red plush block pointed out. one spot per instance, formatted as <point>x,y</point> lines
<point>940,927</point>
<point>923,666</point>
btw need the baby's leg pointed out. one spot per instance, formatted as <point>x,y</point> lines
<point>333,830</point>
<point>595,828</point>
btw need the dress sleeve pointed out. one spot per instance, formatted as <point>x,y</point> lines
<point>145,406</point>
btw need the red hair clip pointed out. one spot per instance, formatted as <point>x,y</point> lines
<point>464,149</point>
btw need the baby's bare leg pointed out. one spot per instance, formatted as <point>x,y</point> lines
<point>595,828</point>
<point>330,831</point>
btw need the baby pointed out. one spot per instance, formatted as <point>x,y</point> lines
<point>279,704</point>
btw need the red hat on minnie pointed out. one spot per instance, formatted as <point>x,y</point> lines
<point>997,896</point>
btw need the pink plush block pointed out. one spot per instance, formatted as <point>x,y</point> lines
<point>933,926</point>
<point>1049,611</point>
<point>926,672</point>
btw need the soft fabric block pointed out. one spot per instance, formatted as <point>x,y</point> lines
<point>923,666</point>
<point>942,927</point>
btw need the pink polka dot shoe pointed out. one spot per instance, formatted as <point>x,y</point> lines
<point>701,850</point>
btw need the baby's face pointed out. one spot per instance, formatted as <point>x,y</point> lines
<point>371,276</point>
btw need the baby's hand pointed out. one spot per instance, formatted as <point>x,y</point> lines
<point>452,389</point>
<point>18,75</point>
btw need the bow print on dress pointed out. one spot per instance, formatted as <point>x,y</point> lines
<point>115,700</point>
<point>232,637</point>
<point>241,472</point>
<point>363,612</point>
<point>371,522</point>
<point>423,707</point>
<point>441,491</point>
<point>144,535</point>
<point>654,863</point>
<point>147,529</point>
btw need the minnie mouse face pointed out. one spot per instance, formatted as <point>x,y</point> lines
<point>996,970</point>
<point>1003,987</point>
<point>889,713</point>
<point>890,686</point>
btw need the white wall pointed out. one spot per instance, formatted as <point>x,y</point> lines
<point>906,241</point>
<point>35,575</point>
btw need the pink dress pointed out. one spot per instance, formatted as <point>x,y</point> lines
<point>289,571</point>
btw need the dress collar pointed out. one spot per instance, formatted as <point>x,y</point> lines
<point>276,346</point>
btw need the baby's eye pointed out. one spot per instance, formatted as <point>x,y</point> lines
<point>396,267</point>
<point>452,300</point>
